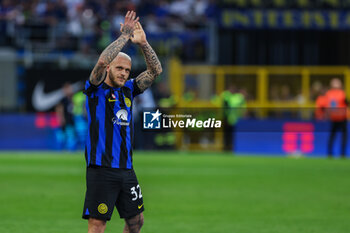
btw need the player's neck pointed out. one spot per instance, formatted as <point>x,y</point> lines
<point>111,84</point>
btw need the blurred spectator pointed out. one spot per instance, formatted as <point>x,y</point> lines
<point>337,113</point>
<point>316,90</point>
<point>80,119</point>
<point>163,96</point>
<point>164,99</point>
<point>74,25</point>
<point>274,93</point>
<point>180,8</point>
<point>200,7</point>
<point>152,24</point>
<point>144,102</point>
<point>234,104</point>
<point>285,93</point>
<point>161,10</point>
<point>54,12</point>
<point>7,13</point>
<point>282,93</point>
<point>321,105</point>
<point>89,24</point>
<point>81,19</point>
<point>66,137</point>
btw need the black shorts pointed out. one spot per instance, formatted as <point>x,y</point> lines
<point>109,187</point>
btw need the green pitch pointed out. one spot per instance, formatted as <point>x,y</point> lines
<point>188,192</point>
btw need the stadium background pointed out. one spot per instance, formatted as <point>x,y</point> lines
<point>278,53</point>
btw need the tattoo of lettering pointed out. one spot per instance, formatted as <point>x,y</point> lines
<point>98,74</point>
<point>154,68</point>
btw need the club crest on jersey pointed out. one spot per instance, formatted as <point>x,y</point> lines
<point>127,102</point>
<point>121,118</point>
<point>102,208</point>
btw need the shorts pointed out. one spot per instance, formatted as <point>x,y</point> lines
<point>109,187</point>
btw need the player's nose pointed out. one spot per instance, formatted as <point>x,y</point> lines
<point>123,72</point>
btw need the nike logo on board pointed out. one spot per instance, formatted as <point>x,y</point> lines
<point>44,101</point>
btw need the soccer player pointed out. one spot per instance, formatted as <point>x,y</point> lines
<point>110,178</point>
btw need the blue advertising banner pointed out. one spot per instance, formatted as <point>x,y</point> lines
<point>282,137</point>
<point>264,137</point>
<point>40,131</point>
<point>285,19</point>
<point>21,132</point>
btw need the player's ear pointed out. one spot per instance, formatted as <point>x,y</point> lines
<point>107,68</point>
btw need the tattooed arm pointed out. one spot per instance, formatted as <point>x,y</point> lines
<point>98,74</point>
<point>154,68</point>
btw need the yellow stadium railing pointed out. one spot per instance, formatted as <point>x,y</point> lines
<point>178,71</point>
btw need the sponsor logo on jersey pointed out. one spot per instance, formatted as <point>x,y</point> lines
<point>121,118</point>
<point>112,98</point>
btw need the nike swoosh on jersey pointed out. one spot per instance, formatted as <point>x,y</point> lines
<point>139,206</point>
<point>44,101</point>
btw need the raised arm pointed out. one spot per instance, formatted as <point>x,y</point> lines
<point>154,68</point>
<point>98,74</point>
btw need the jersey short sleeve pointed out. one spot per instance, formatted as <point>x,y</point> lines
<point>131,84</point>
<point>90,88</point>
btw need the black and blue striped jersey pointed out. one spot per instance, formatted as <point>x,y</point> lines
<point>110,124</point>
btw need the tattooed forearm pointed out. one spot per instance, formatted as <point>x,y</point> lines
<point>145,80</point>
<point>113,49</point>
<point>107,56</point>
<point>153,63</point>
<point>154,68</point>
<point>98,74</point>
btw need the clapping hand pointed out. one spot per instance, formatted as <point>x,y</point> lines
<point>139,36</point>
<point>129,23</point>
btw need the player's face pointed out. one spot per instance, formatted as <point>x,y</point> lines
<point>119,71</point>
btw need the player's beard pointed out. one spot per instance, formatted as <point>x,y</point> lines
<point>115,81</point>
